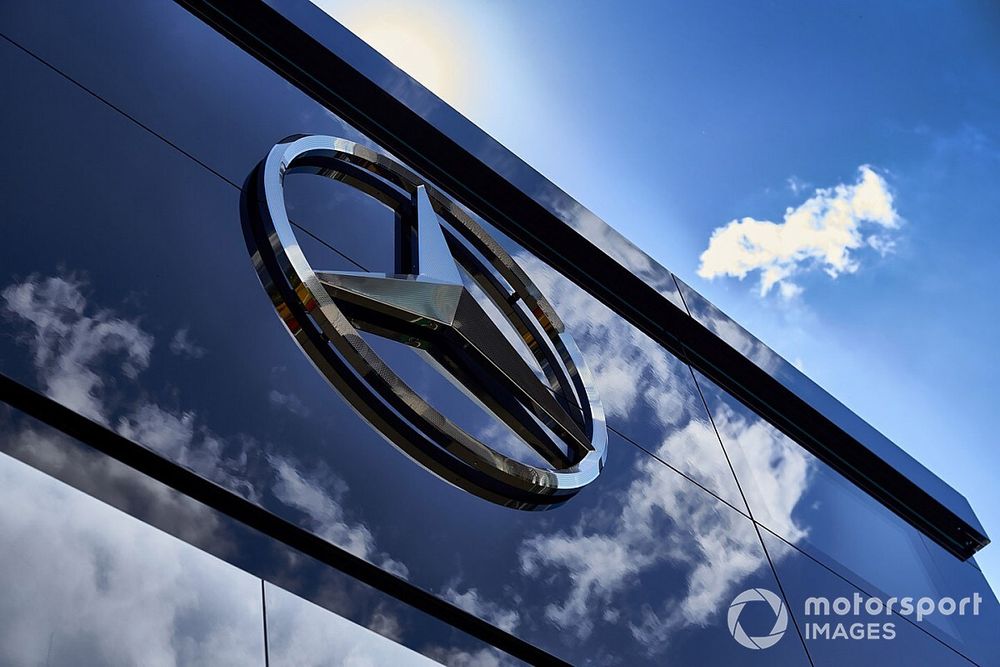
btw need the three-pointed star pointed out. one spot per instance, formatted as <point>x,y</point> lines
<point>433,310</point>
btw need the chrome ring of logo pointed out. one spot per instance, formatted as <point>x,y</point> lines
<point>426,304</point>
<point>780,618</point>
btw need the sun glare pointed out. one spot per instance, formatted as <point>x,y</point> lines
<point>426,50</point>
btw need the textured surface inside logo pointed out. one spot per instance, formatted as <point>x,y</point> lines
<point>427,304</point>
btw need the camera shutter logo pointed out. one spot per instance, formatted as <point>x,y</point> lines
<point>780,618</point>
<point>427,305</point>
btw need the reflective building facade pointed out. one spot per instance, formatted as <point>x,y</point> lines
<point>182,484</point>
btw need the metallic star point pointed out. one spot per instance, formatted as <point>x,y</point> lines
<point>435,299</point>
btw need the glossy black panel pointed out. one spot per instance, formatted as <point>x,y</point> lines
<point>345,218</point>
<point>783,371</point>
<point>84,584</point>
<point>856,637</point>
<point>807,503</point>
<point>148,59</point>
<point>131,298</point>
<point>977,635</point>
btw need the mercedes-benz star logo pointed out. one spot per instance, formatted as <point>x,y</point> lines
<point>427,305</point>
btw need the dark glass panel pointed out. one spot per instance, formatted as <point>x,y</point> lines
<point>319,253</point>
<point>345,218</point>
<point>953,578</point>
<point>787,374</point>
<point>812,506</point>
<point>861,635</point>
<point>84,584</point>
<point>162,66</point>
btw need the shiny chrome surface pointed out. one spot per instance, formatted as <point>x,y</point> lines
<point>427,305</point>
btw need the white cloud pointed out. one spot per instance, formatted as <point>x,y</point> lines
<point>632,371</point>
<point>714,545</point>
<point>628,367</point>
<point>822,232</point>
<point>484,657</point>
<point>290,402</point>
<point>775,470</point>
<point>709,543</point>
<point>118,485</point>
<point>182,345</point>
<point>797,185</point>
<point>664,521</point>
<point>301,633</point>
<point>71,343</point>
<point>386,624</point>
<point>68,343</point>
<point>320,496</point>
<point>472,602</point>
<point>84,583</point>
<point>179,437</point>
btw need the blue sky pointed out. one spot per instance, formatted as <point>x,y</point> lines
<point>673,121</point>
